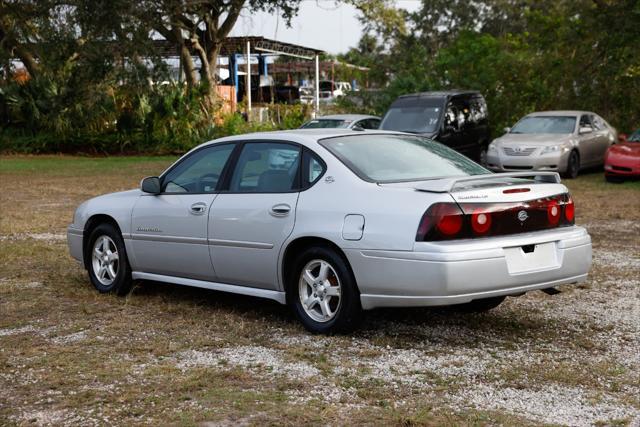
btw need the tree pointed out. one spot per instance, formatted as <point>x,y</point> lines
<point>202,26</point>
<point>21,24</point>
<point>524,55</point>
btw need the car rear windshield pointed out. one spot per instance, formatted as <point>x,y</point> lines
<point>635,137</point>
<point>395,158</point>
<point>545,124</point>
<point>325,123</point>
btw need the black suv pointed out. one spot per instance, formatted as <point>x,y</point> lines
<point>458,119</point>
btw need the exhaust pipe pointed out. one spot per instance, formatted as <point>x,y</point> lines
<point>551,291</point>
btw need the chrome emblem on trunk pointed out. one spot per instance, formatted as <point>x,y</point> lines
<point>522,216</point>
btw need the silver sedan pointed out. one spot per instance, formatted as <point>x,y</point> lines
<point>332,222</point>
<point>562,141</point>
<point>343,121</point>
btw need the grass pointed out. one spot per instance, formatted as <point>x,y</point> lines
<point>69,355</point>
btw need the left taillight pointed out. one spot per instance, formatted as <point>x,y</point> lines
<point>449,221</point>
<point>441,219</point>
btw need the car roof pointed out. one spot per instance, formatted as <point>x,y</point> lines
<point>351,117</point>
<point>560,113</point>
<point>307,137</point>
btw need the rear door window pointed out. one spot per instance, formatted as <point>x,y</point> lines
<point>585,121</point>
<point>459,113</point>
<point>597,122</point>
<point>267,167</point>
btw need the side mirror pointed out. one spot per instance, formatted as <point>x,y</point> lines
<point>585,129</point>
<point>151,185</point>
<point>507,130</point>
<point>622,138</point>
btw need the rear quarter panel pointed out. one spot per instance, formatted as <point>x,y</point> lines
<point>391,215</point>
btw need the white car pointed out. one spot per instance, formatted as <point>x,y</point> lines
<point>332,222</point>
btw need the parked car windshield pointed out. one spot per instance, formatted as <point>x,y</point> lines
<point>325,123</point>
<point>545,124</point>
<point>394,158</point>
<point>412,118</point>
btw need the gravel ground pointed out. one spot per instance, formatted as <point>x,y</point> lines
<point>171,355</point>
<point>461,366</point>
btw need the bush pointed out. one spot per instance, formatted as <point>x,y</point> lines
<point>42,116</point>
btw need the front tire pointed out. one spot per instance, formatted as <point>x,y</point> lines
<point>573,165</point>
<point>106,261</point>
<point>323,293</point>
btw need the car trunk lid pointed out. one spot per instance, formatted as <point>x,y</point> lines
<point>493,205</point>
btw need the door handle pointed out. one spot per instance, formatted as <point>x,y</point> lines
<point>198,208</point>
<point>280,210</point>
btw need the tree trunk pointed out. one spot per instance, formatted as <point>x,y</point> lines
<point>27,59</point>
<point>207,71</point>
<point>212,58</point>
<point>11,45</point>
<point>187,65</point>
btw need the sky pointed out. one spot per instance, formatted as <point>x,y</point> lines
<point>322,24</point>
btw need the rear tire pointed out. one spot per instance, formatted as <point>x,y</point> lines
<point>106,261</point>
<point>323,293</point>
<point>480,305</point>
<point>573,165</point>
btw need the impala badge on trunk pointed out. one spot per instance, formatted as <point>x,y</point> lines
<point>522,216</point>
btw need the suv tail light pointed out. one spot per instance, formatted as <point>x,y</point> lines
<point>449,221</point>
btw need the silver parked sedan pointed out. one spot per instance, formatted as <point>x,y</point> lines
<point>562,141</point>
<point>335,221</point>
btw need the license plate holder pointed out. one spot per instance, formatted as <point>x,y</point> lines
<point>521,259</point>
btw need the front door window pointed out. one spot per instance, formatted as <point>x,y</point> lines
<point>198,173</point>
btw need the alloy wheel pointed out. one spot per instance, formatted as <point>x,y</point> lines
<point>105,260</point>
<point>319,290</point>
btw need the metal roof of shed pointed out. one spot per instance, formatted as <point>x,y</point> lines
<point>237,45</point>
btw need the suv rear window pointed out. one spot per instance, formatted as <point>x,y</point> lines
<point>395,158</point>
<point>415,115</point>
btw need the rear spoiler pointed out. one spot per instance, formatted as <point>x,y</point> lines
<point>447,185</point>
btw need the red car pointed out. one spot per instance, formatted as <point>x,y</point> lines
<point>623,160</point>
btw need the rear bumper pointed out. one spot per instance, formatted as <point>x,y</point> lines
<point>454,273</point>
<point>74,241</point>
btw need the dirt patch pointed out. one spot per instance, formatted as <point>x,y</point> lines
<point>254,358</point>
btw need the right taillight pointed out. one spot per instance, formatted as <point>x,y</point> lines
<point>569,210</point>
<point>449,221</point>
